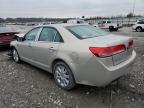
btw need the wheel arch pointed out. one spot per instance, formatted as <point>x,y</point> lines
<point>70,65</point>
<point>13,47</point>
<point>138,27</point>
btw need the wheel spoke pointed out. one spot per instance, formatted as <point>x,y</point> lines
<point>66,76</point>
<point>57,72</point>
<point>66,82</point>
<point>59,69</point>
<point>58,77</point>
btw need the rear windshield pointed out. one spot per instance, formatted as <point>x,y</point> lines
<point>86,31</point>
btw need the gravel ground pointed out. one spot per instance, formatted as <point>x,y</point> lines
<point>25,86</point>
<point>134,81</point>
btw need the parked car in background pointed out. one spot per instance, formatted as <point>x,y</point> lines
<point>2,25</point>
<point>107,24</point>
<point>31,24</point>
<point>7,35</point>
<point>138,26</point>
<point>139,20</point>
<point>76,53</point>
<point>77,21</point>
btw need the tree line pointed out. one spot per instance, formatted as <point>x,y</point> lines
<point>25,20</point>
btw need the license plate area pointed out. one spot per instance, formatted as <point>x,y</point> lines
<point>121,57</point>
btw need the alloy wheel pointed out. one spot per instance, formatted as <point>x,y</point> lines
<point>62,77</point>
<point>15,56</point>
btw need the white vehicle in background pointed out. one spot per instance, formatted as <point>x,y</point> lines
<point>140,20</point>
<point>138,26</point>
<point>77,21</point>
<point>107,24</point>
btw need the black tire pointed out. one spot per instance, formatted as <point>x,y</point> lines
<point>15,55</point>
<point>116,29</point>
<point>71,79</point>
<point>111,28</point>
<point>139,29</point>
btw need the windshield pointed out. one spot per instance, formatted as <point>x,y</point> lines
<point>86,31</point>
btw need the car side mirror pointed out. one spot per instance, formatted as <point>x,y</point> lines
<point>20,39</point>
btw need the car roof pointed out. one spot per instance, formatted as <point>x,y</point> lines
<point>60,25</point>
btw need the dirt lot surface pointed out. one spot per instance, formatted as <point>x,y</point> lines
<point>25,86</point>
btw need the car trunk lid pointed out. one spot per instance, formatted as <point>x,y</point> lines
<point>7,37</point>
<point>115,47</point>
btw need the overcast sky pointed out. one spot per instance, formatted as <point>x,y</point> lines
<point>68,8</point>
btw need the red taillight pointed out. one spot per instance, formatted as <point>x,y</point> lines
<point>130,44</point>
<point>103,52</point>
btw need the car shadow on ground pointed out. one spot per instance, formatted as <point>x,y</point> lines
<point>48,75</point>
<point>79,87</point>
<point>43,83</point>
<point>104,91</point>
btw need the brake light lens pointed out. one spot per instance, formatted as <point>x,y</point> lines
<point>130,44</point>
<point>103,52</point>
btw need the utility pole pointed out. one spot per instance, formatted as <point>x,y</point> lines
<point>134,2</point>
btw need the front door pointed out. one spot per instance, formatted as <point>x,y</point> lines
<point>47,46</point>
<point>25,47</point>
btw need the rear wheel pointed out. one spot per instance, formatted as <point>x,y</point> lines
<point>111,28</point>
<point>15,55</point>
<point>116,29</point>
<point>138,29</point>
<point>63,76</point>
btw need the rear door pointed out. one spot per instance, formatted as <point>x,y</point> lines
<point>25,48</point>
<point>47,46</point>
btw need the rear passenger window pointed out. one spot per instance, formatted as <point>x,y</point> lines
<point>47,34</point>
<point>50,35</point>
<point>58,38</point>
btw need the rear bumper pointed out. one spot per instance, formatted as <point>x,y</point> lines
<point>98,75</point>
<point>4,43</point>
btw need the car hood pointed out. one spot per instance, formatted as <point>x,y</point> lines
<point>20,35</point>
